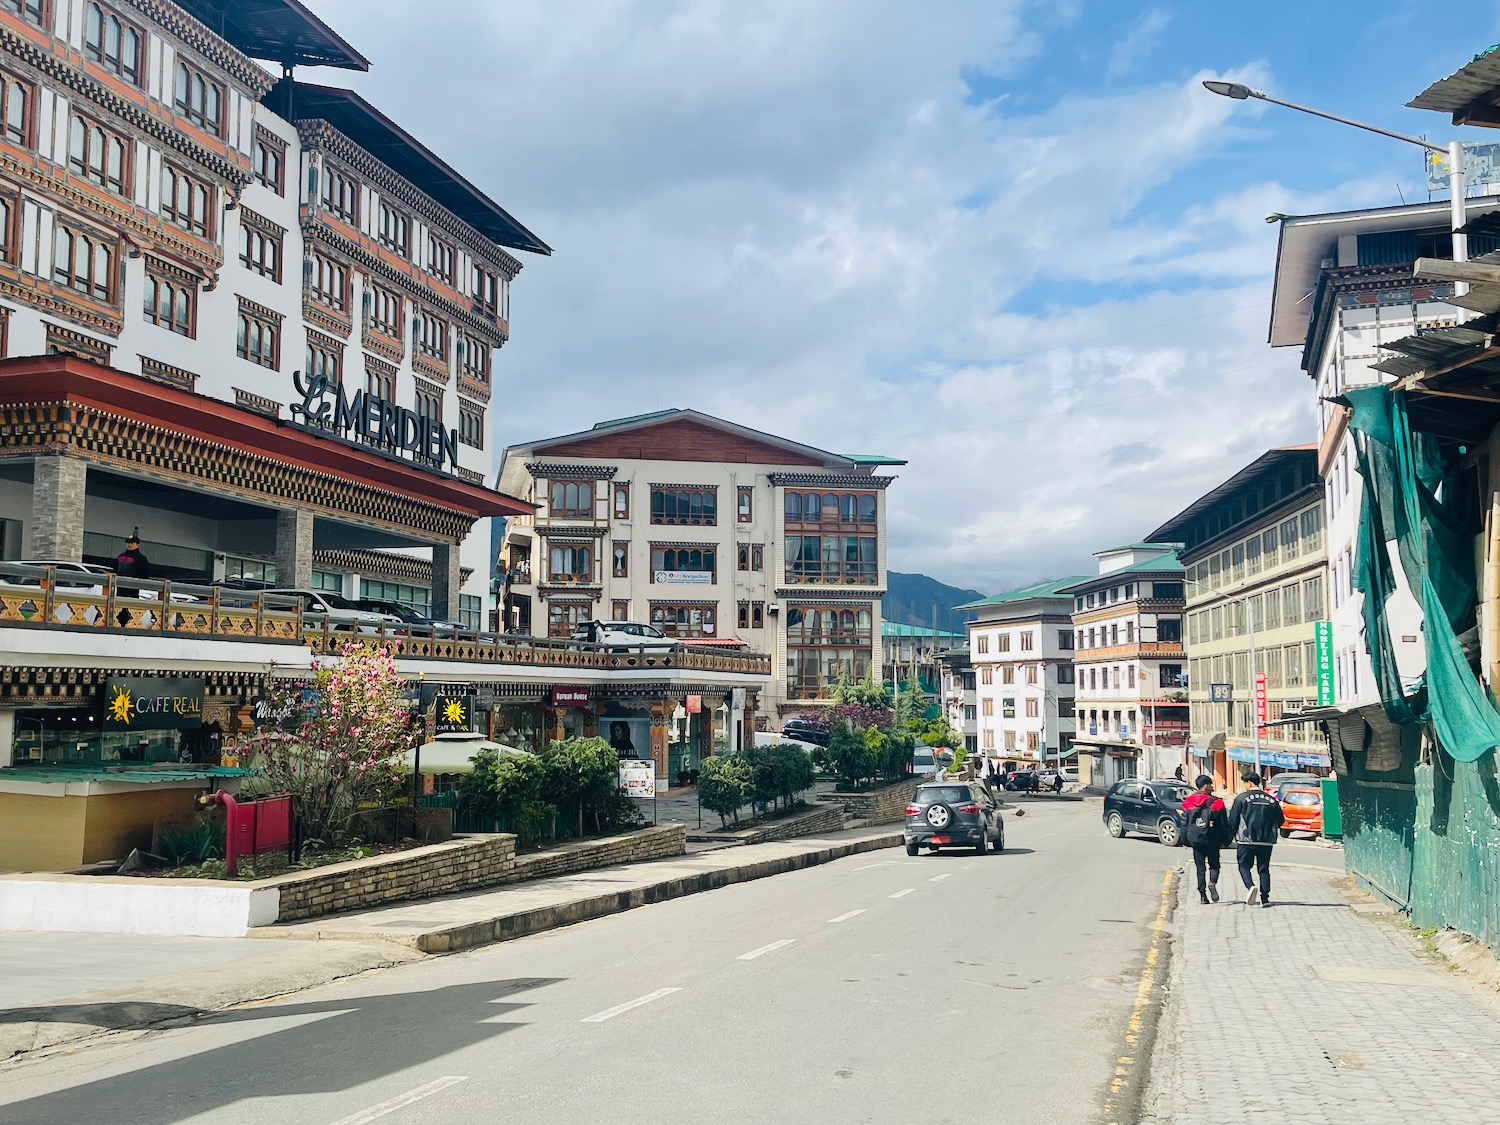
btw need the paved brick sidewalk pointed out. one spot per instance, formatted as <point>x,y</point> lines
<point>1311,1012</point>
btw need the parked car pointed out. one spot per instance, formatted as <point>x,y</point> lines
<point>1023,781</point>
<point>1152,807</point>
<point>1301,810</point>
<point>1047,777</point>
<point>923,762</point>
<point>1280,782</point>
<point>623,634</point>
<point>89,582</point>
<point>408,614</point>
<point>806,730</point>
<point>340,613</point>
<point>953,814</point>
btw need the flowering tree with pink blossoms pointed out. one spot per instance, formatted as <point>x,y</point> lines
<point>340,741</point>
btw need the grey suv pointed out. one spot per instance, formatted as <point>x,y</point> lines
<point>953,814</point>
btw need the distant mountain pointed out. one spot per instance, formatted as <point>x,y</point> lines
<point>910,597</point>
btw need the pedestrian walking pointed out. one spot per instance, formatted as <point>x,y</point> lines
<point>1057,781</point>
<point>1207,832</point>
<point>1177,773</point>
<point>1255,819</point>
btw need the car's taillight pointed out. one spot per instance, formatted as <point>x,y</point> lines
<point>969,808</point>
<point>913,810</point>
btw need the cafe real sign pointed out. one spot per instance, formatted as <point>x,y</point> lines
<point>365,417</point>
<point>153,703</point>
<point>454,714</point>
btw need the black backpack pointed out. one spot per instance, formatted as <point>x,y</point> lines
<point>1205,825</point>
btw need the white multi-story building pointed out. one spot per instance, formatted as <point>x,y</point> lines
<point>1131,695</point>
<point>1021,647</point>
<point>959,695</point>
<point>172,211</point>
<point>1344,286</point>
<point>712,532</point>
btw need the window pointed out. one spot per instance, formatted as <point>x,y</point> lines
<point>99,154</point>
<point>486,290</point>
<point>32,11</point>
<point>325,360</point>
<point>439,259</point>
<point>568,562</point>
<point>341,194</point>
<point>1130,632</point>
<point>260,249</point>
<point>1093,679</point>
<point>114,45</point>
<point>429,401</point>
<point>752,615</point>
<point>752,556</point>
<point>1312,597</point>
<point>833,559</point>
<point>1291,604</point>
<point>1004,641</point>
<point>170,303</point>
<point>385,312</point>
<point>1289,535</point>
<point>619,611</point>
<point>83,263</point>
<point>395,230</point>
<point>1032,671</point>
<point>989,740</point>
<point>744,504</point>
<point>667,563</point>
<point>571,499</point>
<point>1026,640</point>
<point>330,283</point>
<point>620,560</point>
<point>199,99</point>
<point>18,99</point>
<point>982,644</point>
<point>1065,673</point>
<point>270,161</point>
<point>1008,674</point>
<point>1065,639</point>
<point>564,617</point>
<point>1169,630</point>
<point>474,359</point>
<point>693,619</point>
<point>471,424</point>
<point>1033,709</point>
<point>622,501</point>
<point>1114,635</point>
<point>418,597</point>
<point>1312,529</point>
<point>186,201</point>
<point>987,707</point>
<point>470,611</point>
<point>852,509</point>
<point>380,379</point>
<point>432,338</point>
<point>986,675</point>
<point>694,506</point>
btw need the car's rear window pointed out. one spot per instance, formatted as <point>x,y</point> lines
<point>1172,792</point>
<point>934,794</point>
<point>1296,798</point>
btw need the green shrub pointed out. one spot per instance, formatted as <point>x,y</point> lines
<point>193,844</point>
<point>725,783</point>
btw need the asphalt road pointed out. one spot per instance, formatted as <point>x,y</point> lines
<point>879,988</point>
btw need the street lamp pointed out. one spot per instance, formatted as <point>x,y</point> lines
<point>1454,151</point>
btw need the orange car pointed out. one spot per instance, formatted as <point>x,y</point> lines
<point>1302,810</point>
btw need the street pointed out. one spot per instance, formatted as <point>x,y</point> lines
<point>874,989</point>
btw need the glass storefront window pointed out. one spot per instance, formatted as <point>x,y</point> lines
<point>249,570</point>
<point>418,597</point>
<point>328,581</point>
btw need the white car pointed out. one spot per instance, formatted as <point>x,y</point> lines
<point>624,634</point>
<point>89,582</point>
<point>340,613</point>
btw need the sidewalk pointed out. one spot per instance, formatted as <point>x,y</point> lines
<point>1314,1011</point>
<point>453,922</point>
<point>59,988</point>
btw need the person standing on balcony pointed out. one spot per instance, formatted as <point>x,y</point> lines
<point>131,563</point>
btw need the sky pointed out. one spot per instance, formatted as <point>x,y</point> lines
<point>1015,243</point>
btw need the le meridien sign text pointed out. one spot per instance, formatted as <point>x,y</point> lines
<point>326,405</point>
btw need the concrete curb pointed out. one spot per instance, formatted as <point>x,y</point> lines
<point>504,927</point>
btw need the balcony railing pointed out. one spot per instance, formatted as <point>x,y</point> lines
<point>1155,650</point>
<point>52,598</point>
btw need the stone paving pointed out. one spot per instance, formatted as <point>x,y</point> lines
<point>1312,1012</point>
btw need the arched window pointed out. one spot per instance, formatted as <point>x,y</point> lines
<point>62,257</point>
<point>794,505</point>
<point>812,507</point>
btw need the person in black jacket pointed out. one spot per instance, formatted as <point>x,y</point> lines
<point>1255,819</point>
<point>1207,831</point>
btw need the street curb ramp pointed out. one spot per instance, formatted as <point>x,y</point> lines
<point>507,926</point>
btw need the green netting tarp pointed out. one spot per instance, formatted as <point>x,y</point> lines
<point>1412,495</point>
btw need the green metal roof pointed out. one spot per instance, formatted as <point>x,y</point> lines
<point>1158,564</point>
<point>147,775</point>
<point>902,629</point>
<point>873,459</point>
<point>1139,547</point>
<point>1049,589</point>
<point>633,418</point>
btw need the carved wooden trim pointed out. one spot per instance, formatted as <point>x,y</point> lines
<point>261,312</point>
<point>258,403</point>
<point>62,339</point>
<point>165,373</point>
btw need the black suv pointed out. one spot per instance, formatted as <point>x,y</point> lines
<point>806,730</point>
<point>1153,807</point>
<point>953,814</point>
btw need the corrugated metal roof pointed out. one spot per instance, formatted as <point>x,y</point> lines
<point>1463,87</point>
<point>1026,593</point>
<point>277,30</point>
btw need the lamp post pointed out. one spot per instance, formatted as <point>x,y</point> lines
<point>1454,150</point>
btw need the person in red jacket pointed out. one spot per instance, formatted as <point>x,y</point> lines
<point>1207,829</point>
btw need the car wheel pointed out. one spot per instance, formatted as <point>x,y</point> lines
<point>911,847</point>
<point>1168,832</point>
<point>1285,833</point>
<point>1000,840</point>
<point>1115,824</point>
<point>983,847</point>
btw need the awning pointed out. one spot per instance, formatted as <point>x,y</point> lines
<point>1311,715</point>
<point>696,641</point>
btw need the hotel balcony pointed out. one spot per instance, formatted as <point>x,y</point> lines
<point>1136,650</point>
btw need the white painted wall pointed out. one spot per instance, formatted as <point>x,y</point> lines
<point>111,905</point>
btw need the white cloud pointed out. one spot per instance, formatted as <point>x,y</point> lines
<point>796,216</point>
<point>1139,40</point>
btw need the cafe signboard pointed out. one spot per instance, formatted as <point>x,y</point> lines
<point>153,703</point>
<point>454,714</point>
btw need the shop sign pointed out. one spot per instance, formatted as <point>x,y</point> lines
<point>153,703</point>
<point>1323,635</point>
<point>454,713</point>
<point>693,704</point>
<point>684,577</point>
<point>570,696</point>
<point>638,777</point>
<point>326,405</point>
<point>1260,702</point>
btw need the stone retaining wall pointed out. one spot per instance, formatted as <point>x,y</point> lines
<point>829,818</point>
<point>461,864</point>
<point>878,806</point>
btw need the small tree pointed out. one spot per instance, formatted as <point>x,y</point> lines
<point>342,740</point>
<point>724,784</point>
<point>865,692</point>
<point>793,771</point>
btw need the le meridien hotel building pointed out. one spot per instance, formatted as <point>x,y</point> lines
<point>250,316</point>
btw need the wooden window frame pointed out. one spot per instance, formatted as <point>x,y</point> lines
<point>709,497</point>
<point>470,424</point>
<point>38,13</point>
<point>12,88</point>
<point>429,404</point>
<point>394,230</point>
<point>248,322</point>
<point>808,510</point>
<point>576,511</point>
<point>752,615</point>
<point>673,559</point>
<point>431,341</point>
<point>197,190</point>
<point>83,130</point>
<point>324,359</point>
<point>440,258</point>
<point>744,505</point>
<point>182,298</point>
<point>381,384</point>
<point>269,147</point>
<point>340,195</point>
<point>387,308</point>
<point>619,558</point>
<point>486,292</point>
<point>578,559</point>
<point>329,283</point>
<point>708,615</point>
<point>189,80</point>
<point>476,359</point>
<point>122,65</point>
<point>9,215</point>
<point>620,492</point>
<point>69,276</point>
<point>255,239</point>
<point>564,617</point>
<point>619,609</point>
